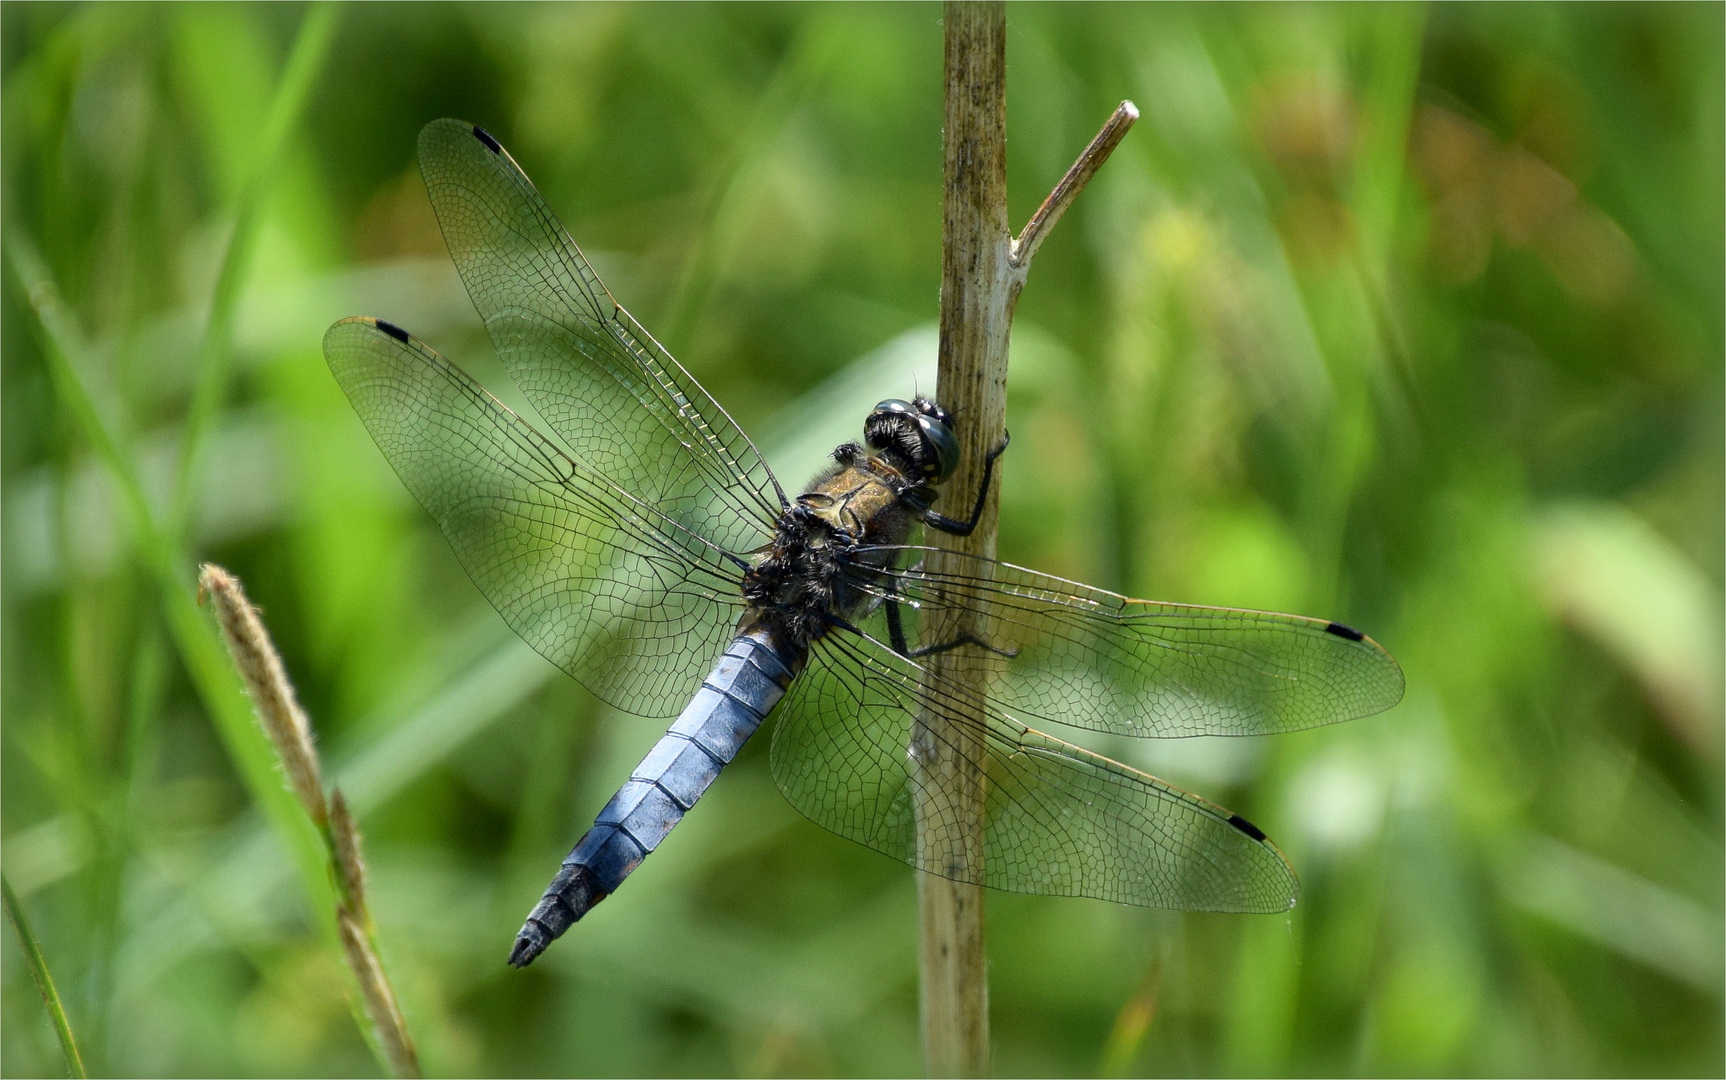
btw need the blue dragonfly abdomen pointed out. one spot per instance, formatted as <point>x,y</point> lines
<point>743,687</point>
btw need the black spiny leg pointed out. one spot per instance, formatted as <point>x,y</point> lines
<point>895,627</point>
<point>963,639</point>
<point>966,528</point>
<point>896,634</point>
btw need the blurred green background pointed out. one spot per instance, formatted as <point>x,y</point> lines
<point>1409,317</point>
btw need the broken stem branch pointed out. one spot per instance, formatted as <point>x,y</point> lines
<point>1025,247</point>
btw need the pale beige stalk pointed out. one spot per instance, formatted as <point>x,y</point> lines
<point>982,270</point>
<point>351,866</point>
<point>290,732</point>
<point>278,710</point>
<point>359,942</point>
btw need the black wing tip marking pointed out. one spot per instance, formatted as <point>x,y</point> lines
<point>392,330</point>
<point>484,136</point>
<point>1349,633</point>
<point>1247,827</point>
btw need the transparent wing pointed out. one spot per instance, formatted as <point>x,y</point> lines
<point>1093,659</point>
<point>630,601</point>
<point>1059,820</point>
<point>626,409</point>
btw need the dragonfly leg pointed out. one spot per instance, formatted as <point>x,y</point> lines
<point>745,684</point>
<point>896,626</point>
<point>896,636</point>
<point>966,528</point>
<point>961,640</point>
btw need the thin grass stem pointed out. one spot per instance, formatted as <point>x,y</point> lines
<point>193,637</point>
<point>1133,1023</point>
<point>215,353</point>
<point>44,981</point>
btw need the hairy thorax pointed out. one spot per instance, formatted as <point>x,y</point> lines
<point>807,575</point>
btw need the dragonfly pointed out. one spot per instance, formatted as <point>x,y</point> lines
<point>649,552</point>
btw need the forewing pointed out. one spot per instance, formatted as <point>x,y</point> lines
<point>626,599</point>
<point>1093,659</point>
<point>626,409</point>
<point>1059,820</point>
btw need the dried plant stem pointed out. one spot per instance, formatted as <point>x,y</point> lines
<point>982,270</point>
<point>977,294</point>
<point>44,981</point>
<point>290,732</point>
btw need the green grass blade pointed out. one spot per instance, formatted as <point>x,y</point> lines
<point>195,638</point>
<point>311,47</point>
<point>44,981</point>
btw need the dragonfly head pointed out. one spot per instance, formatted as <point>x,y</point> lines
<point>918,435</point>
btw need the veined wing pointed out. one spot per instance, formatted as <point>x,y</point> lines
<point>1058,821</point>
<point>1094,659</point>
<point>627,410</point>
<point>628,600</point>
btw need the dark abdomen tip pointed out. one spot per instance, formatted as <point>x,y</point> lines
<point>572,894</point>
<point>528,944</point>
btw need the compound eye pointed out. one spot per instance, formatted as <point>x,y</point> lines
<point>946,448</point>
